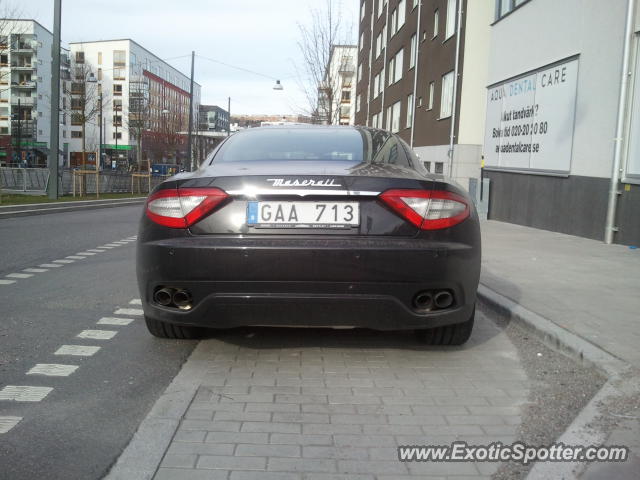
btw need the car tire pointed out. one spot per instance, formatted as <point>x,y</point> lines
<point>169,330</point>
<point>456,334</point>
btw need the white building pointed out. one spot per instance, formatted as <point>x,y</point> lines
<point>555,76</point>
<point>25,92</point>
<point>336,95</point>
<point>141,94</point>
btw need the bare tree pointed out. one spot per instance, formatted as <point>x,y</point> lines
<point>327,28</point>
<point>139,118</point>
<point>85,98</point>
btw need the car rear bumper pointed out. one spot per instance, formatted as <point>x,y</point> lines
<point>279,281</point>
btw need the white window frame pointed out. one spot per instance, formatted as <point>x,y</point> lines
<point>402,14</point>
<point>410,110</point>
<point>395,117</point>
<point>431,95</point>
<point>446,95</point>
<point>413,50</point>
<point>398,65</point>
<point>450,26</point>
<point>362,5</point>
<point>436,23</point>
<point>358,98</point>
<point>359,76</point>
<point>361,41</point>
<point>394,21</point>
<point>392,69</point>
<point>388,123</point>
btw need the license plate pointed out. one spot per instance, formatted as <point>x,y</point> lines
<point>303,214</point>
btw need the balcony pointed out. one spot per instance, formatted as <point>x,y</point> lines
<point>24,101</point>
<point>26,84</point>
<point>22,47</point>
<point>31,67</point>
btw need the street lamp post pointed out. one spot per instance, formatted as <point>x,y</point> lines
<point>54,142</point>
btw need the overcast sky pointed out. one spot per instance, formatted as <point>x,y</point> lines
<point>258,35</point>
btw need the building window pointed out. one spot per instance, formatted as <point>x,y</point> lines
<point>410,110</point>
<point>361,41</point>
<point>76,104</point>
<point>432,91</point>
<point>119,58</point>
<point>381,5</point>
<point>117,120</point>
<point>79,57</point>
<point>117,89</point>
<point>376,85</point>
<point>99,58</point>
<point>395,67</point>
<point>450,27</point>
<point>76,134</point>
<point>118,73</point>
<point>388,123</point>
<point>446,98</point>
<point>359,77</point>
<point>99,74</point>
<point>395,117</point>
<point>436,23</point>
<point>362,5</point>
<point>358,97</point>
<point>439,168</point>
<point>503,7</point>
<point>427,166</point>
<point>394,22</point>
<point>117,136</point>
<point>117,104</point>
<point>412,54</point>
<point>402,10</point>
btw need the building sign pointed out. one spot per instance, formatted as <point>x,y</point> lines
<point>530,121</point>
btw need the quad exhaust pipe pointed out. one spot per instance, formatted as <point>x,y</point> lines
<point>173,297</point>
<point>427,301</point>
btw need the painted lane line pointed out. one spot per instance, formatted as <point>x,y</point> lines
<point>7,423</point>
<point>112,245</point>
<point>108,248</point>
<point>114,321</point>
<point>75,257</point>
<point>63,261</point>
<point>52,370</point>
<point>20,393</point>
<point>7,282</point>
<point>95,250</point>
<point>19,275</point>
<point>135,301</point>
<point>86,254</point>
<point>128,311</point>
<point>35,270</point>
<point>77,350</point>
<point>50,265</point>
<point>121,242</point>
<point>97,334</point>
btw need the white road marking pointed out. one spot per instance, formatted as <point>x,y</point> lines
<point>7,282</point>
<point>107,247</point>
<point>95,250</point>
<point>19,275</point>
<point>112,245</point>
<point>20,393</point>
<point>121,242</point>
<point>97,334</point>
<point>52,370</point>
<point>63,261</point>
<point>7,423</point>
<point>75,257</point>
<point>77,350</point>
<point>86,254</point>
<point>114,321</point>
<point>128,311</point>
<point>35,270</point>
<point>50,265</point>
<point>135,301</point>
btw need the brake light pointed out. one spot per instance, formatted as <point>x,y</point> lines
<point>428,209</point>
<point>181,208</point>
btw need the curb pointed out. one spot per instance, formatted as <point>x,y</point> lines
<point>621,381</point>
<point>28,210</point>
<point>142,456</point>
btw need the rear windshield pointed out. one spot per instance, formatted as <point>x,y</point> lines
<point>293,144</point>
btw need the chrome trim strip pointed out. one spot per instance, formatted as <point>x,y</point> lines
<point>250,192</point>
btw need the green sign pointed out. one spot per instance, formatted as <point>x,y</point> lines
<point>25,143</point>
<point>117,147</point>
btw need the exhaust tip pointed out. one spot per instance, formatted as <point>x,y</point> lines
<point>443,299</point>
<point>163,297</point>
<point>182,299</point>
<point>423,301</point>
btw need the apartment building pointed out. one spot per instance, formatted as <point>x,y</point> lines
<point>213,118</point>
<point>336,93</point>
<point>422,73</point>
<point>145,105</point>
<point>25,93</point>
<point>556,136</point>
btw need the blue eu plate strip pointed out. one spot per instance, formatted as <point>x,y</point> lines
<point>252,213</point>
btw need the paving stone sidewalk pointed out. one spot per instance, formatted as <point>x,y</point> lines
<point>321,404</point>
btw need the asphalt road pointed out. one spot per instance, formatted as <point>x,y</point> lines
<point>81,426</point>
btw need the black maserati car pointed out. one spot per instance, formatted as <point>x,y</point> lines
<point>336,227</point>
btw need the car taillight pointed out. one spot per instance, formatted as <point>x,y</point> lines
<point>428,209</point>
<point>181,208</point>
